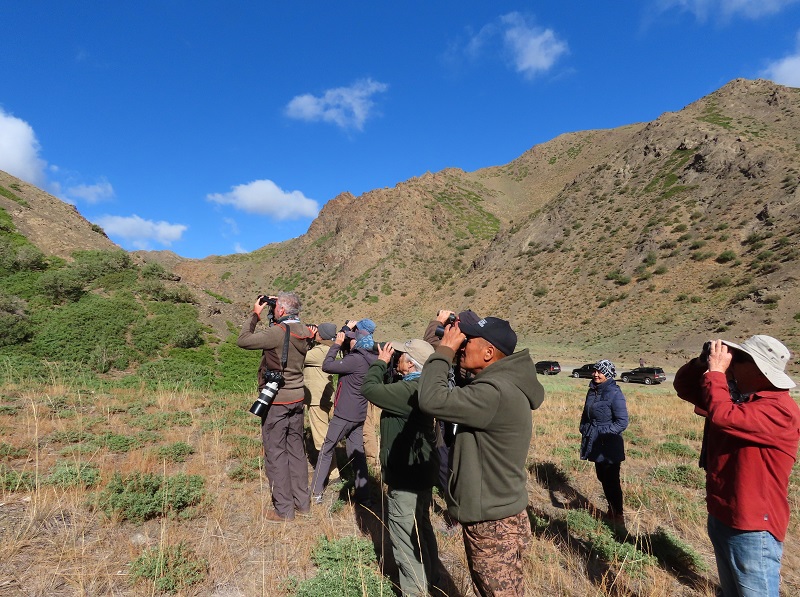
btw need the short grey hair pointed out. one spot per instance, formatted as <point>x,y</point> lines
<point>417,366</point>
<point>290,303</point>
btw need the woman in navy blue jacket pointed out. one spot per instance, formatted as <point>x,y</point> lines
<point>605,417</point>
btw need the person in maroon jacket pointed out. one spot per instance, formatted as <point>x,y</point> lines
<point>749,448</point>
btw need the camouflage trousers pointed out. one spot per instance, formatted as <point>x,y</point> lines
<point>494,554</point>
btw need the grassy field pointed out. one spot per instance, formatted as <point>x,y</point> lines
<point>140,492</point>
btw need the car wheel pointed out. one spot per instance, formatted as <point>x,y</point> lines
<point>648,381</point>
<point>576,375</point>
<point>625,378</point>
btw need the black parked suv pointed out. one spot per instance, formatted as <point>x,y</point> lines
<point>548,367</point>
<point>647,375</point>
<point>584,371</point>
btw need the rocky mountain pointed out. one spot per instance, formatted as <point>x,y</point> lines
<point>52,225</point>
<point>638,241</point>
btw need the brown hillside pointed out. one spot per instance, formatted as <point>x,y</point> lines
<point>637,241</point>
<point>52,225</point>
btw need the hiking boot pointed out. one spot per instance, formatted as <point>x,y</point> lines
<point>273,517</point>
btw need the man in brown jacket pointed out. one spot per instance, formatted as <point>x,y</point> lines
<point>284,345</point>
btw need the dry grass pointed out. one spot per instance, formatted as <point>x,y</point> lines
<point>53,542</point>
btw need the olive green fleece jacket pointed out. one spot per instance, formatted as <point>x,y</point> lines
<point>409,460</point>
<point>493,413</point>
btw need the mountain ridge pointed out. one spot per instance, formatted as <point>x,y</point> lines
<point>641,240</point>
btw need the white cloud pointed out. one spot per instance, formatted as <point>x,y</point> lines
<point>534,50</point>
<point>231,226</point>
<point>704,9</point>
<point>93,193</point>
<point>238,248</point>
<point>346,107</point>
<point>265,198</point>
<point>140,232</point>
<point>785,71</point>
<point>531,50</point>
<point>19,150</point>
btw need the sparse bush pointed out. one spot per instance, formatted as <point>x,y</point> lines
<point>346,570</point>
<point>170,568</point>
<point>91,331</point>
<point>720,282</point>
<point>725,257</point>
<point>618,277</point>
<point>11,480</point>
<point>74,474</point>
<point>9,452</point>
<point>469,292</point>
<point>90,265</point>
<point>247,470</point>
<point>176,452</point>
<point>155,271</point>
<point>142,496</point>
<point>685,475</point>
<point>62,285</point>
<point>15,325</point>
<point>677,449</point>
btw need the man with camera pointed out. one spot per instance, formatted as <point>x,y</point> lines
<point>749,448</point>
<point>409,462</point>
<point>284,345</point>
<point>487,489</point>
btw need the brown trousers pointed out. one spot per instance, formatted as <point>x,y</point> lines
<point>285,458</point>
<point>495,549</point>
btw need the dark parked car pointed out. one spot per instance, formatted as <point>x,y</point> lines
<point>647,375</point>
<point>548,367</point>
<point>584,371</point>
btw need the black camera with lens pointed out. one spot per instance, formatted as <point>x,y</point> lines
<point>440,328</point>
<point>274,381</point>
<point>705,352</point>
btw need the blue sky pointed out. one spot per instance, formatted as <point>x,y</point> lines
<point>214,128</point>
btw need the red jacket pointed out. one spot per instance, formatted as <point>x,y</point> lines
<point>751,448</point>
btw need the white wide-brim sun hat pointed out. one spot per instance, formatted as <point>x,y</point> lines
<point>770,356</point>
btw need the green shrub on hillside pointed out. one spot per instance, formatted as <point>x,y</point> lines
<point>11,480</point>
<point>157,291</point>
<point>91,331</point>
<point>346,570</point>
<point>237,368</point>
<point>171,325</point>
<point>171,568</point>
<point>62,285</point>
<point>94,264</point>
<point>155,271</point>
<point>73,474</point>
<point>142,496</point>
<point>15,325</point>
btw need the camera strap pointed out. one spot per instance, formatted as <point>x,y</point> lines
<point>285,355</point>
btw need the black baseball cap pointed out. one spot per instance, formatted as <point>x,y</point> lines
<point>494,330</point>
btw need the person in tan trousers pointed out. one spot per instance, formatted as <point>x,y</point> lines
<point>319,389</point>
